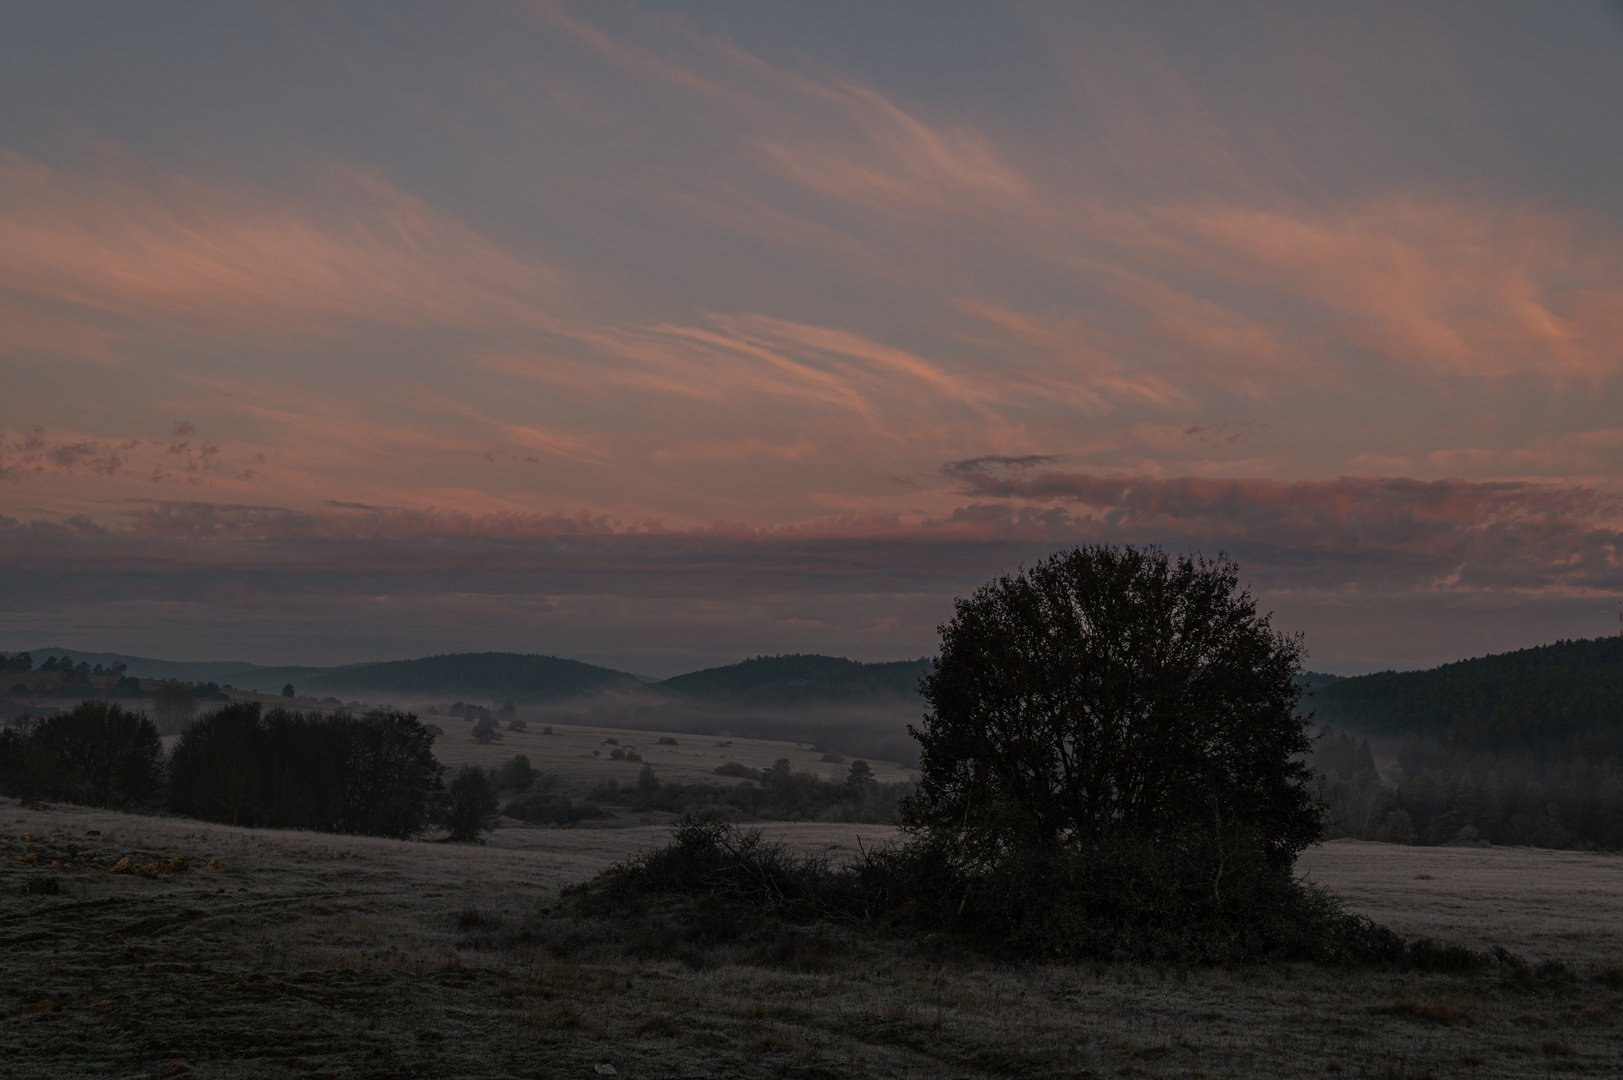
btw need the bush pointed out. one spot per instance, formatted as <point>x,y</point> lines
<point>1203,902</point>
<point>97,754</point>
<point>471,805</point>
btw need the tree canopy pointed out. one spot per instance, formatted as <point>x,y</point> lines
<point>1112,692</point>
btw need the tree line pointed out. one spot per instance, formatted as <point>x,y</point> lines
<point>372,773</point>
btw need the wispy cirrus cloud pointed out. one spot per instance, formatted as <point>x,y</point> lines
<point>123,239</point>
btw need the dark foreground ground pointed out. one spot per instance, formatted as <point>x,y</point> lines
<point>320,956</point>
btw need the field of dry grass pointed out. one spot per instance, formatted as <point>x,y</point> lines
<point>315,955</point>
<point>580,755</point>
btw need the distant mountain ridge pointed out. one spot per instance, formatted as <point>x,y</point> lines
<point>236,672</point>
<point>1570,683</point>
<point>527,677</point>
<point>801,677</point>
<point>530,678</point>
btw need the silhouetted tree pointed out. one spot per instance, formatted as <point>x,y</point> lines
<point>1110,693</point>
<point>287,690</point>
<point>860,776</point>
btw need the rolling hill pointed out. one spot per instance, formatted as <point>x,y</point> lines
<point>523,677</point>
<point>800,678</point>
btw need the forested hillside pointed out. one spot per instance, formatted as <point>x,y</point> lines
<point>1520,748</point>
<point>1512,699</point>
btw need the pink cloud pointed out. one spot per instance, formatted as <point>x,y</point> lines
<point>122,240</point>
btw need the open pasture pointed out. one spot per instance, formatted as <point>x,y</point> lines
<point>580,755</point>
<point>315,955</point>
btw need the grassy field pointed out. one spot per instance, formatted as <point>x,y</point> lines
<point>580,755</point>
<point>312,955</point>
<point>304,955</point>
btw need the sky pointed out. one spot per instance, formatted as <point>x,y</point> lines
<point>661,335</point>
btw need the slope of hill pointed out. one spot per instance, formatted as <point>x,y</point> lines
<point>801,677</point>
<point>1565,686</point>
<point>524,677</point>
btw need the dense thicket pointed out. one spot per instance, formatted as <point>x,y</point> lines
<point>373,774</point>
<point>97,754</point>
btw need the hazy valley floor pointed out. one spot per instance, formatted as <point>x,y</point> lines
<point>311,955</point>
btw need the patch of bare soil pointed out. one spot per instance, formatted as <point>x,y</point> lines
<point>313,956</point>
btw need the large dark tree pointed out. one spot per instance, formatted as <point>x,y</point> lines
<point>1114,693</point>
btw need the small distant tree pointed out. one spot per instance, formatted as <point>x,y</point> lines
<point>860,777</point>
<point>484,731</point>
<point>287,690</point>
<point>471,805</point>
<point>516,774</point>
<point>647,784</point>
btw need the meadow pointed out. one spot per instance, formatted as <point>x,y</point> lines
<point>304,954</point>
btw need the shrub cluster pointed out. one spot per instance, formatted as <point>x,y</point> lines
<point>1200,900</point>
